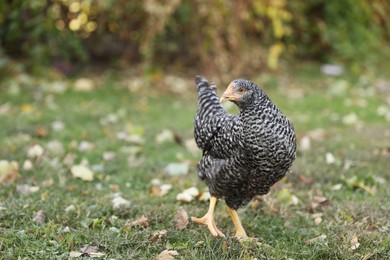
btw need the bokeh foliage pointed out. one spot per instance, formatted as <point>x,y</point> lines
<point>220,36</point>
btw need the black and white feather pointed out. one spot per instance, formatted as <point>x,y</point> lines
<point>244,154</point>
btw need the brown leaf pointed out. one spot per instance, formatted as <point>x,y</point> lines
<point>159,234</point>
<point>41,132</point>
<point>39,216</point>
<point>306,179</point>
<point>9,171</point>
<point>181,218</point>
<point>167,255</point>
<point>224,246</point>
<point>142,221</point>
<point>87,249</point>
<point>318,201</point>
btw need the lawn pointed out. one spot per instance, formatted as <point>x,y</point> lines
<point>92,168</point>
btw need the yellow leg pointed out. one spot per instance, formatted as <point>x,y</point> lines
<point>240,232</point>
<point>208,219</point>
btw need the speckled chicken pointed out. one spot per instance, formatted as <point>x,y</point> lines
<point>244,154</point>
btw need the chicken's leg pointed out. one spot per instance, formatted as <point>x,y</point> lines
<point>240,232</point>
<point>208,219</point>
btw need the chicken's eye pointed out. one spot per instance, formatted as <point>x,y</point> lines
<point>240,90</point>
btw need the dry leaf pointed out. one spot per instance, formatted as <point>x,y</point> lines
<point>317,201</point>
<point>82,172</point>
<point>25,189</point>
<point>8,171</point>
<point>330,158</point>
<point>159,189</point>
<point>181,218</point>
<point>158,235</point>
<point>35,151</point>
<point>167,255</point>
<point>224,246</point>
<point>108,156</point>
<point>119,202</point>
<point>175,169</point>
<point>41,132</point>
<point>55,148</point>
<point>57,126</point>
<point>87,249</point>
<point>165,135</point>
<point>84,84</point>
<point>39,216</point>
<point>191,146</point>
<point>188,195</point>
<point>337,186</point>
<point>27,165</point>
<point>354,242</point>
<point>75,254</point>
<point>305,144</point>
<point>85,146</point>
<point>319,239</point>
<point>204,196</point>
<point>142,221</point>
<point>306,179</point>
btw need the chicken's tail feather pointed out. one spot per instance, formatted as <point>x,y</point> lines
<point>208,99</point>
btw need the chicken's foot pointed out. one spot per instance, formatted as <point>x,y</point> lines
<point>240,231</point>
<point>208,219</point>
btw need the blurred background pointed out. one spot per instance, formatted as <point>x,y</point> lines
<point>216,37</point>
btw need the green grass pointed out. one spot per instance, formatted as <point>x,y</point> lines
<point>282,229</point>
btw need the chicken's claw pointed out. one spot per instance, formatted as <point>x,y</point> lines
<point>208,221</point>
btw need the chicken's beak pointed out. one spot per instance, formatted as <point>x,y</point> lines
<point>229,94</point>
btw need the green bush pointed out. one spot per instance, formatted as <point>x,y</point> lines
<point>220,36</point>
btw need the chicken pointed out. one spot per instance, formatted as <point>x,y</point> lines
<point>244,154</point>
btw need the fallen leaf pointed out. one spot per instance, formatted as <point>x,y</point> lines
<point>181,218</point>
<point>75,254</point>
<point>119,202</point>
<point>164,136</point>
<point>317,201</point>
<point>306,179</point>
<point>350,119</point>
<point>108,156</point>
<point>142,221</point>
<point>331,69</point>
<point>9,171</point>
<point>224,246</point>
<point>354,242</point>
<point>285,197</point>
<point>305,144</point>
<point>158,235</point>
<point>167,255</point>
<point>55,148</point>
<point>27,165</point>
<point>25,189</point>
<point>319,239</point>
<point>35,151</point>
<point>41,132</point>
<point>82,172</point>
<point>86,146</point>
<point>39,216</point>
<point>330,159</point>
<point>191,146</point>
<point>204,196</point>
<point>87,249</point>
<point>57,126</point>
<point>159,189</point>
<point>84,84</point>
<point>188,195</point>
<point>175,169</point>
<point>336,186</point>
